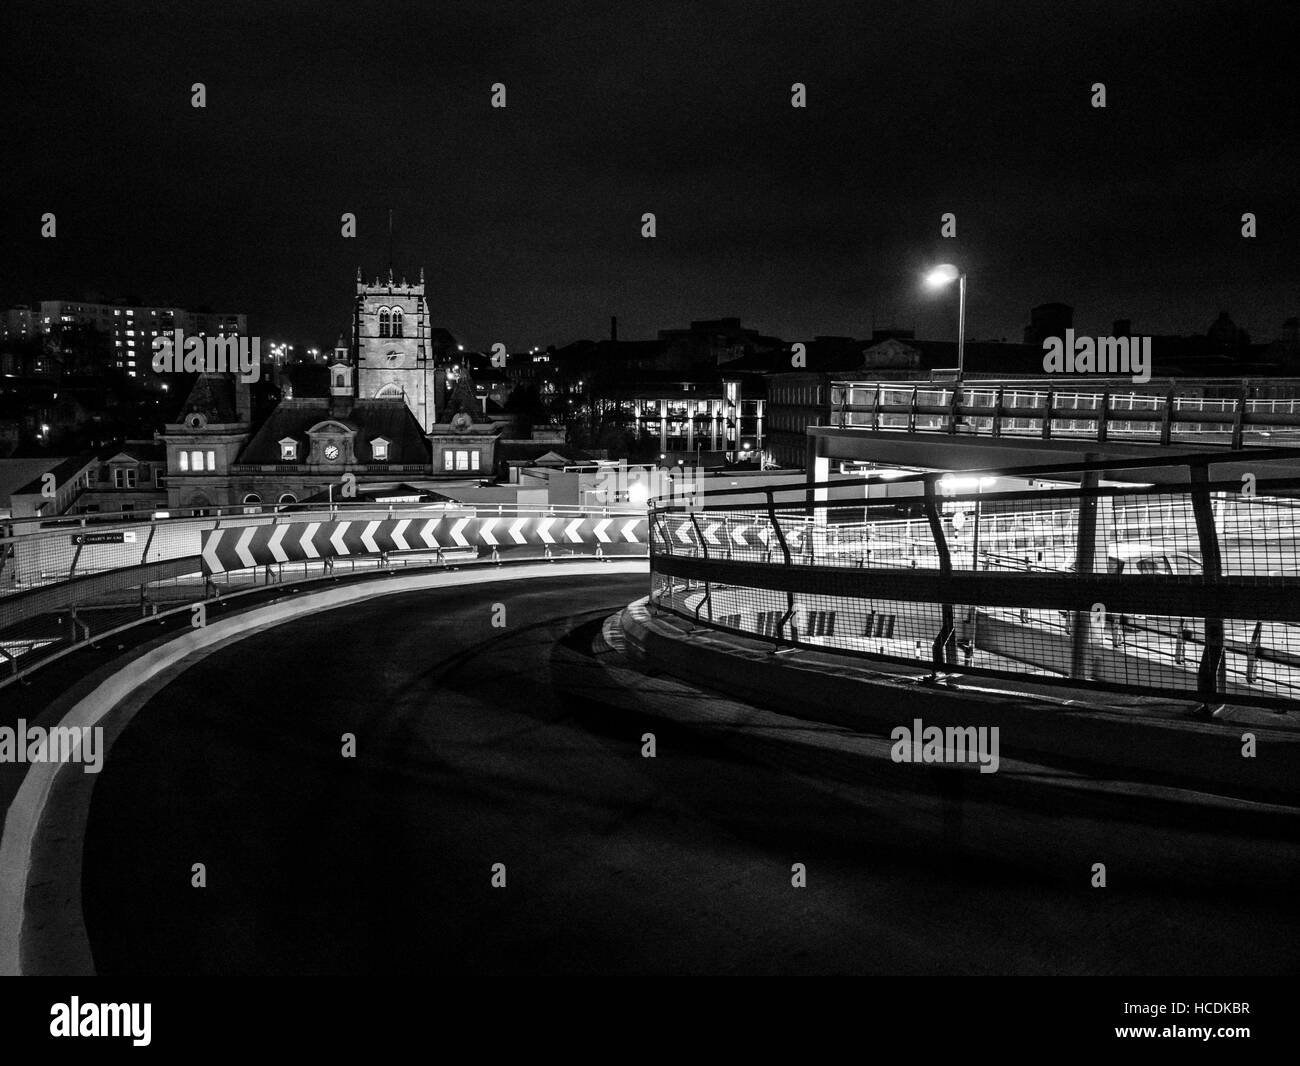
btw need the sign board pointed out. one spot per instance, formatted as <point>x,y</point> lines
<point>120,537</point>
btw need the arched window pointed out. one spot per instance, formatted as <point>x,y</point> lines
<point>252,497</point>
<point>397,322</point>
<point>384,320</point>
<point>288,497</point>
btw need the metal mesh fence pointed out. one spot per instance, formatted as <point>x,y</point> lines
<point>1174,589</point>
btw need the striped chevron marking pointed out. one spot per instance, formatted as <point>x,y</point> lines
<point>244,547</point>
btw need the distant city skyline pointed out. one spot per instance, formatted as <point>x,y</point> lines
<point>882,324</point>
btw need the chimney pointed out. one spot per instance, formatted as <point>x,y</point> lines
<point>613,328</point>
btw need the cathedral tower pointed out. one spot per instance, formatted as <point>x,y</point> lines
<point>390,332</point>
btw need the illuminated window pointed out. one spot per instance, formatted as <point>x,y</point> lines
<point>473,460</point>
<point>196,460</point>
<point>288,449</point>
<point>449,460</point>
<point>185,461</point>
<point>212,460</point>
<point>379,448</point>
<point>462,460</point>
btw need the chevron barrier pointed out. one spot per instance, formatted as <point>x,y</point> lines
<point>243,547</point>
<point>722,535</point>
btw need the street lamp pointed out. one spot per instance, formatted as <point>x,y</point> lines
<point>942,275</point>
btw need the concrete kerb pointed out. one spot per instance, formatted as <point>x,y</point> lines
<point>25,818</point>
<point>815,685</point>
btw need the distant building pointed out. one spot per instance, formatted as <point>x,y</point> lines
<point>132,329</point>
<point>19,323</point>
<point>1048,320</point>
<point>216,457</point>
<point>798,399</point>
<point>1225,336</point>
<point>130,478</point>
<point>23,484</point>
<point>467,428</point>
<point>710,342</point>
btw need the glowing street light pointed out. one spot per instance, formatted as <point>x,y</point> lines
<point>940,277</point>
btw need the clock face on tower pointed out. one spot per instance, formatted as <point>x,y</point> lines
<point>331,452</point>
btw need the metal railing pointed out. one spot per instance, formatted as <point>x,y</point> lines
<point>1156,412</point>
<point>71,584</point>
<point>1188,590</point>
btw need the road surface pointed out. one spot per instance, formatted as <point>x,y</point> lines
<point>479,745</point>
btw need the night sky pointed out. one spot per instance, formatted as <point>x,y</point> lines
<point>527,220</point>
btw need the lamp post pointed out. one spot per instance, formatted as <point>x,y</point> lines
<point>942,275</point>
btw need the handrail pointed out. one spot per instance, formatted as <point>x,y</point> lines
<point>1113,407</point>
<point>1040,470</point>
<point>1200,564</point>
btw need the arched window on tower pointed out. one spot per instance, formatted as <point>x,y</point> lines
<point>397,322</point>
<point>384,322</point>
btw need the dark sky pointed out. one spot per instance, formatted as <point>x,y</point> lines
<point>527,220</point>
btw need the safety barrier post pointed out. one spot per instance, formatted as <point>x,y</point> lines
<point>944,641</point>
<point>785,551</point>
<point>1211,676</point>
<point>1238,417</point>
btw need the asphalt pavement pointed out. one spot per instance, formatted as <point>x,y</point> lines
<point>520,743</point>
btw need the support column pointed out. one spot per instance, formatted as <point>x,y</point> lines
<point>817,468</point>
<point>1085,555</point>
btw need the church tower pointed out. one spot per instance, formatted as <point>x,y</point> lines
<point>390,337</point>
